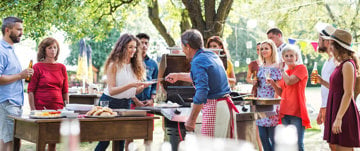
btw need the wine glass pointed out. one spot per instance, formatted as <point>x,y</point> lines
<point>267,73</point>
<point>104,103</point>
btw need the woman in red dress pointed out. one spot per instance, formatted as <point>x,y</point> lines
<point>48,88</point>
<point>342,124</point>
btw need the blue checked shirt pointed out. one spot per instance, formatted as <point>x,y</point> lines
<point>9,65</point>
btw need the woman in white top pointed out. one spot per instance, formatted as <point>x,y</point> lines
<point>124,70</point>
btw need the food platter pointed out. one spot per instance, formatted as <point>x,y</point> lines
<point>45,114</point>
<point>46,117</point>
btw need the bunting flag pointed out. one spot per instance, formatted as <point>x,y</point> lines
<point>291,41</point>
<point>302,44</point>
<point>315,45</point>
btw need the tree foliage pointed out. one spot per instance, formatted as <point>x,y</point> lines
<point>78,18</point>
<point>100,49</point>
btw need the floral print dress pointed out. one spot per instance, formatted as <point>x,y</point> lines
<point>267,91</point>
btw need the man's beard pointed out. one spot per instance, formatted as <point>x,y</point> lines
<point>14,38</point>
<point>322,49</point>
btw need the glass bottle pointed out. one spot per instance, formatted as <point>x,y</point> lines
<point>314,73</point>
<point>27,79</point>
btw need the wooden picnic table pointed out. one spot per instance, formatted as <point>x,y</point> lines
<point>45,131</point>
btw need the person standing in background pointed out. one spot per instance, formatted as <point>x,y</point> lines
<point>48,88</point>
<point>215,42</point>
<point>253,69</point>
<point>11,84</point>
<point>146,97</point>
<point>326,71</point>
<point>251,78</point>
<point>276,35</point>
<point>342,122</point>
<point>269,69</point>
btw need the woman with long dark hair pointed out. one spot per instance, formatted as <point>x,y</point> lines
<point>342,123</point>
<point>124,70</point>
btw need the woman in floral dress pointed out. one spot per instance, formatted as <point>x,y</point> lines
<point>270,65</point>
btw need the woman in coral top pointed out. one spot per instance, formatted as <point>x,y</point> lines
<point>291,88</point>
<point>48,88</point>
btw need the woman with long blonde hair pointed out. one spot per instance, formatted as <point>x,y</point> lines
<point>269,68</point>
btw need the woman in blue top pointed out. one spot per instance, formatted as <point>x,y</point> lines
<point>212,89</point>
<point>270,67</point>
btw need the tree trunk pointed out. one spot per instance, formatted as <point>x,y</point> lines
<point>211,24</point>
<point>155,19</point>
<point>184,24</point>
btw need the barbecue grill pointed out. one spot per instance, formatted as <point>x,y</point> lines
<point>181,93</point>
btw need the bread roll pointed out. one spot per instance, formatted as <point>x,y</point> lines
<point>105,114</point>
<point>98,112</point>
<point>92,111</point>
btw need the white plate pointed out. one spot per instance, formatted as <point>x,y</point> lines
<point>78,107</point>
<point>45,117</point>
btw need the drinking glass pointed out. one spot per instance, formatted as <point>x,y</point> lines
<point>104,103</point>
<point>267,72</point>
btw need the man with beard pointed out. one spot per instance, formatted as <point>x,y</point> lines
<point>11,85</point>
<point>326,71</point>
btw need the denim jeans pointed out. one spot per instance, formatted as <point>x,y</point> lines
<point>267,137</point>
<point>297,122</point>
<point>114,104</point>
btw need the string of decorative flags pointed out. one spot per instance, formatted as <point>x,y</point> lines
<point>303,43</point>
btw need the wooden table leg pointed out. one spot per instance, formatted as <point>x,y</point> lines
<point>115,145</point>
<point>148,140</point>
<point>16,144</point>
<point>40,146</point>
